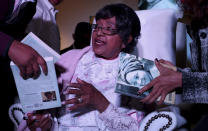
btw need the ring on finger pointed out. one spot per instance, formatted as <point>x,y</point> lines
<point>80,100</point>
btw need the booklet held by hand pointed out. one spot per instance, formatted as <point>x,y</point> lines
<point>42,92</point>
<point>136,72</point>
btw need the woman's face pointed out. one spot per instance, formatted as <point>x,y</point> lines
<point>105,45</point>
<point>138,77</point>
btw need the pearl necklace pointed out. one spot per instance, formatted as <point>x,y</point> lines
<point>156,117</point>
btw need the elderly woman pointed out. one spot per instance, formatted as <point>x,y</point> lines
<point>92,73</point>
<point>89,80</point>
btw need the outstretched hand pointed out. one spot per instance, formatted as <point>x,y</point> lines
<point>166,82</point>
<point>27,59</point>
<point>86,95</point>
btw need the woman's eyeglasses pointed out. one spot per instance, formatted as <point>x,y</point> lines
<point>105,30</point>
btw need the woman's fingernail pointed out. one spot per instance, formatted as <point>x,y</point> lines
<point>65,92</point>
<point>33,117</point>
<point>156,59</point>
<point>78,79</point>
<point>63,102</point>
<point>67,85</point>
<point>46,115</point>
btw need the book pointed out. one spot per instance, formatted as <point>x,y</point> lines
<point>136,72</point>
<point>42,48</point>
<point>42,92</point>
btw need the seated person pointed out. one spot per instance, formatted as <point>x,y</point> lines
<point>89,79</point>
<point>81,36</point>
<point>92,73</point>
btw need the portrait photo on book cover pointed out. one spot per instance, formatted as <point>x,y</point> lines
<point>48,96</point>
<point>134,73</point>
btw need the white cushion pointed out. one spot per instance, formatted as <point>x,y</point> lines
<point>158,34</point>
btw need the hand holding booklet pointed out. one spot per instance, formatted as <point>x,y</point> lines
<point>43,92</point>
<point>136,72</point>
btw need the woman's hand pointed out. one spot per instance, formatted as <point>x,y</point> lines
<point>86,95</point>
<point>168,81</point>
<point>42,121</point>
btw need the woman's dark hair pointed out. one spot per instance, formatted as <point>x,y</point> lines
<point>127,23</point>
<point>197,10</point>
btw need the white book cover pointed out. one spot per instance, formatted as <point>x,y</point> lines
<point>42,48</point>
<point>34,93</point>
<point>40,93</point>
